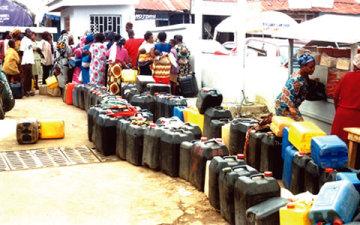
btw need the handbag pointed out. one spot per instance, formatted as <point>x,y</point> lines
<point>52,82</point>
<point>129,75</point>
<point>316,91</point>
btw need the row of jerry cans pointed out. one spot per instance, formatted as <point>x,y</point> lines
<point>241,193</point>
<point>336,203</point>
<point>157,144</point>
<point>29,131</point>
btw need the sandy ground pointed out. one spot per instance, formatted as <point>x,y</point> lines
<point>102,193</point>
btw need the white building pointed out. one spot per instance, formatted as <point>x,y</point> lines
<point>79,16</point>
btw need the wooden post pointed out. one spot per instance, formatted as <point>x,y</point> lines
<point>291,53</point>
<point>354,49</point>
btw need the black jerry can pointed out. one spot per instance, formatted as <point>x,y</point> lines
<point>215,127</point>
<point>298,173</point>
<point>312,176</point>
<point>227,179</point>
<point>105,136</point>
<point>216,165</point>
<point>203,151</point>
<point>266,213</point>
<point>214,113</point>
<point>194,129</point>
<point>171,102</point>
<point>135,141</point>
<point>252,190</point>
<point>151,152</point>
<point>170,150</point>
<point>144,101</point>
<point>238,130</point>
<point>253,154</point>
<point>121,146</point>
<point>271,155</point>
<point>208,98</point>
<point>184,163</point>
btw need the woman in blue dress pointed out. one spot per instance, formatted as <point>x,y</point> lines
<point>86,59</point>
<point>295,90</point>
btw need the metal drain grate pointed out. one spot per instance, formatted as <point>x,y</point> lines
<point>52,157</point>
<point>3,165</point>
<point>80,155</point>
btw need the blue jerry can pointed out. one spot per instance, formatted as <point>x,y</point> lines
<point>288,156</point>
<point>329,152</point>
<point>350,176</point>
<point>336,200</point>
<point>178,112</point>
<point>285,141</point>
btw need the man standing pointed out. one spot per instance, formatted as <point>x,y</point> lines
<point>26,50</point>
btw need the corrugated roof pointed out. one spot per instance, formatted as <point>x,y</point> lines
<point>164,5</point>
<point>340,7</point>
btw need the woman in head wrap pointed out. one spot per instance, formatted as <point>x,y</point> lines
<point>86,59</point>
<point>295,90</point>
<point>347,102</point>
<point>16,35</point>
<point>98,60</point>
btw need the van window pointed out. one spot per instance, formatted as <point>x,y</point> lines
<point>223,37</point>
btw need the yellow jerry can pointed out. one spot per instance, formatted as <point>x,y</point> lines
<point>278,123</point>
<point>52,129</point>
<point>301,133</point>
<point>192,115</point>
<point>225,134</point>
<point>296,213</point>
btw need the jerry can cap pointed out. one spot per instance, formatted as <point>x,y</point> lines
<point>329,170</point>
<point>337,221</point>
<point>290,205</point>
<point>240,156</point>
<point>268,174</point>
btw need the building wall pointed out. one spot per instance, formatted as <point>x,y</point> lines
<point>80,17</point>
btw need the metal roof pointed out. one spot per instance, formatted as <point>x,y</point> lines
<point>164,5</point>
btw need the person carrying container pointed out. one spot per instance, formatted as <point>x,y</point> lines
<point>295,90</point>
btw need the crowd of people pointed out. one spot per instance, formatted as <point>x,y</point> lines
<point>29,57</point>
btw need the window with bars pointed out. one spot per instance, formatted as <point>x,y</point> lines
<point>102,23</point>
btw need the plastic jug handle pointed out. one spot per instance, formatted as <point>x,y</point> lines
<point>239,166</point>
<point>257,175</point>
<point>230,157</point>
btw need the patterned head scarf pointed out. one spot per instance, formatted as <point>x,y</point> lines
<point>356,60</point>
<point>15,32</point>
<point>305,59</point>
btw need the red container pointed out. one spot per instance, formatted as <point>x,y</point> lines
<point>69,95</point>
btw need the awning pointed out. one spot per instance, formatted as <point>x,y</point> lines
<point>265,23</point>
<point>331,28</point>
